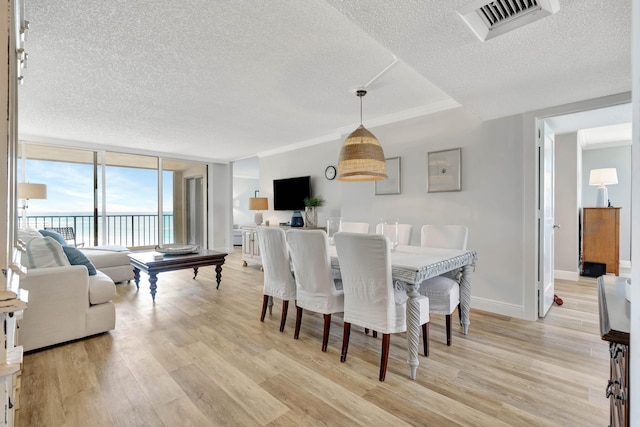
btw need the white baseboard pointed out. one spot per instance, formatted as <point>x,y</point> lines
<point>497,307</point>
<point>625,268</point>
<point>566,275</point>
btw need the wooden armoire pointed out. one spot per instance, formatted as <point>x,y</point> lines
<point>601,237</point>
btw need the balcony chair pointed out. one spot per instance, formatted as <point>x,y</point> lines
<point>316,290</point>
<point>278,279</point>
<point>404,233</point>
<point>355,227</point>
<point>370,299</point>
<point>68,233</point>
<point>444,291</point>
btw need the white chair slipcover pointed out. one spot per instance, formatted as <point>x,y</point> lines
<point>404,233</point>
<point>370,299</point>
<point>355,227</point>
<point>443,291</point>
<point>316,289</point>
<point>278,279</point>
<point>444,236</point>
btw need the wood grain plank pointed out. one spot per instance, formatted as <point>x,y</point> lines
<point>199,356</point>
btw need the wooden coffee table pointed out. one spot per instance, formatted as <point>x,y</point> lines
<point>144,261</point>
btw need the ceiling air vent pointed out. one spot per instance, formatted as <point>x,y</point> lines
<point>490,19</point>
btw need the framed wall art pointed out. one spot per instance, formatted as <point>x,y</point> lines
<point>444,171</point>
<point>391,185</point>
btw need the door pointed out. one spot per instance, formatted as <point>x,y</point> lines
<point>546,145</point>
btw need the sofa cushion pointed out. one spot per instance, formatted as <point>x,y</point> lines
<point>26,234</point>
<point>54,235</point>
<point>76,257</point>
<point>43,252</point>
<point>101,288</point>
<point>106,257</point>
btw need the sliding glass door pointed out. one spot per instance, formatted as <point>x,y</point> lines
<point>113,198</point>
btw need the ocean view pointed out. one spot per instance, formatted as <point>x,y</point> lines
<point>125,229</point>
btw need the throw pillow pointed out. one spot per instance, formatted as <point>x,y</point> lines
<point>26,234</point>
<point>76,257</point>
<point>43,252</point>
<point>54,235</point>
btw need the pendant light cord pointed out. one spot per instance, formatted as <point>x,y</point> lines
<point>360,93</point>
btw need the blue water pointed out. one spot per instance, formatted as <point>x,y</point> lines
<point>126,229</point>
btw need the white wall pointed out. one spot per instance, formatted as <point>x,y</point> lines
<point>491,202</point>
<point>566,260</point>
<point>243,188</point>
<point>619,195</point>
<point>310,161</point>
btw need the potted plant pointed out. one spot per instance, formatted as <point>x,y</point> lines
<point>311,211</point>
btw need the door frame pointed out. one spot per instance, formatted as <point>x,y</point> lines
<point>531,179</point>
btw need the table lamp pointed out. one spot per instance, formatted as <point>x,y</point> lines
<point>258,204</point>
<point>602,178</point>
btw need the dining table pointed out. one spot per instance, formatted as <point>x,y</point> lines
<point>412,265</point>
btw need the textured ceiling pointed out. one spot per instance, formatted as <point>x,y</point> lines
<point>224,80</point>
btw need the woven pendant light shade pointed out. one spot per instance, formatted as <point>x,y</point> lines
<point>361,156</point>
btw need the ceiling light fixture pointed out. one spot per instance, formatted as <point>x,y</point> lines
<point>361,157</point>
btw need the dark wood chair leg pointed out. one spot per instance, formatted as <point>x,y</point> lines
<point>325,335</point>
<point>375,334</point>
<point>345,341</point>
<point>460,314</point>
<point>425,339</point>
<point>366,331</point>
<point>448,324</point>
<point>296,332</point>
<point>265,301</point>
<point>285,307</point>
<point>384,358</point>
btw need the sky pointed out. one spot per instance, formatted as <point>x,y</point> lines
<point>69,188</point>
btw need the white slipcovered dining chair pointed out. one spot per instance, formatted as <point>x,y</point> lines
<point>355,227</point>
<point>316,289</point>
<point>404,233</point>
<point>370,299</point>
<point>443,291</point>
<point>278,278</point>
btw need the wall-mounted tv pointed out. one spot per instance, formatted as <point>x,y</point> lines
<point>289,193</point>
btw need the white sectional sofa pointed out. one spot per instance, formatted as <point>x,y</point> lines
<point>68,297</point>
<point>65,304</point>
<point>112,261</point>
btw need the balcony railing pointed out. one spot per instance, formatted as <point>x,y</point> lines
<point>135,230</point>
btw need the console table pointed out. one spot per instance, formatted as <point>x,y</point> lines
<point>614,327</point>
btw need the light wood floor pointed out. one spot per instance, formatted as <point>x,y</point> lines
<point>201,357</point>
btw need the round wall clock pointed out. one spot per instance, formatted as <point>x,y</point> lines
<point>330,172</point>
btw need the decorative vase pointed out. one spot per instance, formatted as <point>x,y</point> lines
<point>311,216</point>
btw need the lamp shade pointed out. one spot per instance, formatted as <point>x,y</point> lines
<point>606,176</point>
<point>27,190</point>
<point>361,157</point>
<point>258,203</point>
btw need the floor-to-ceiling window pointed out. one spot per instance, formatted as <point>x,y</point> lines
<point>113,198</point>
<point>69,178</point>
<point>130,202</point>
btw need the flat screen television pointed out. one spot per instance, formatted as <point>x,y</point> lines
<point>289,193</point>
